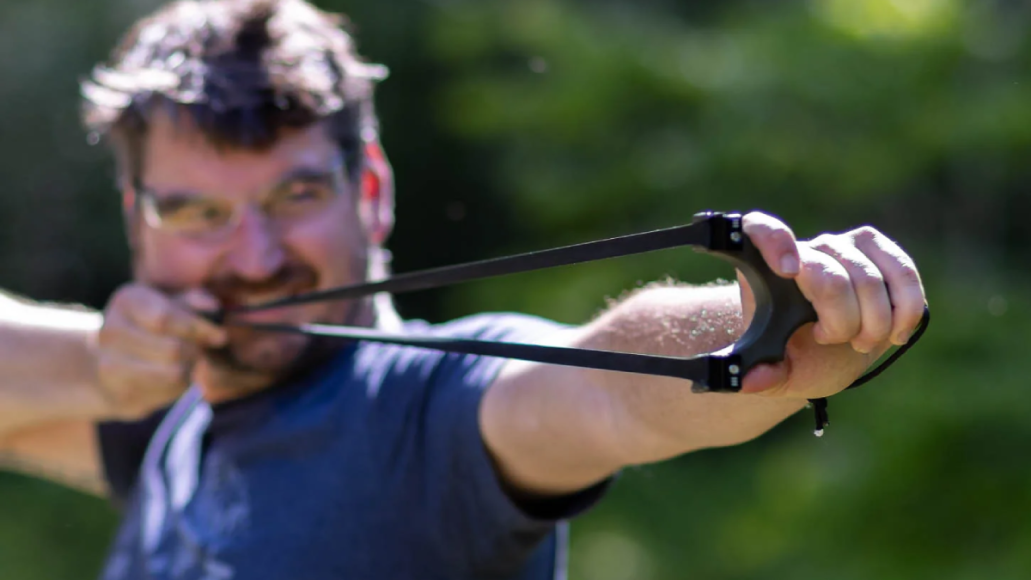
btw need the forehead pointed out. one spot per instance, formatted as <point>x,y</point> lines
<point>178,155</point>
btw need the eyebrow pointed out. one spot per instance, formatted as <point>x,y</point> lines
<point>297,173</point>
<point>305,172</point>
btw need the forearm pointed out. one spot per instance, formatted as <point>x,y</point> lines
<point>47,365</point>
<point>554,429</point>
<point>655,418</point>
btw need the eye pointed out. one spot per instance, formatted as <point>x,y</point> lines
<point>301,197</point>
<point>304,193</point>
<point>191,212</point>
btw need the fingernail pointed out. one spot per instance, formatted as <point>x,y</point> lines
<point>789,264</point>
<point>902,338</point>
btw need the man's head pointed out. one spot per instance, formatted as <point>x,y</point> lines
<point>245,140</point>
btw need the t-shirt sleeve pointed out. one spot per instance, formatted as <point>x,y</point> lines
<point>478,518</point>
<point>122,446</point>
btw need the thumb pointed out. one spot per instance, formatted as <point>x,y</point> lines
<point>199,301</point>
<point>204,305</point>
<point>766,377</point>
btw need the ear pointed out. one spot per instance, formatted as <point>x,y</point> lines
<point>376,206</point>
<point>129,216</point>
<point>128,200</point>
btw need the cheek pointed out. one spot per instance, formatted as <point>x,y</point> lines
<point>334,245</point>
<point>172,262</point>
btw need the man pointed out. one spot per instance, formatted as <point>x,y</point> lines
<point>245,142</point>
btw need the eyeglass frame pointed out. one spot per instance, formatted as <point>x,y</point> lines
<point>339,181</point>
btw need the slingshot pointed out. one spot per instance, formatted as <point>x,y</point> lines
<point>780,309</point>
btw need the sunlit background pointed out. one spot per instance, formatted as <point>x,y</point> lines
<point>525,124</point>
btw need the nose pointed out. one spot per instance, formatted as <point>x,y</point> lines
<point>256,251</point>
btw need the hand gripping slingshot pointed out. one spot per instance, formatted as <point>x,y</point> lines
<point>780,309</point>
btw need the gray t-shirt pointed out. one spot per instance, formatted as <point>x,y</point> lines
<point>371,466</point>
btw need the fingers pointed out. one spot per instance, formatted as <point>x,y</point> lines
<point>868,284</point>
<point>826,283</point>
<point>775,241</point>
<point>160,379</point>
<point>866,292</point>
<point>137,387</point>
<point>156,313</point>
<point>901,277</point>
<point>149,345</point>
<point>200,302</point>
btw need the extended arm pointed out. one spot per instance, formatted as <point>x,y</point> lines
<point>558,429</point>
<point>48,392</point>
<point>64,369</point>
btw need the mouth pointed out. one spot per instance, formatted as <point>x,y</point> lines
<point>237,306</point>
<point>251,300</point>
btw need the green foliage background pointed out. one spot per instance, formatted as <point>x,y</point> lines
<point>517,125</point>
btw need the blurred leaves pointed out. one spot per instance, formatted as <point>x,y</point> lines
<point>520,125</point>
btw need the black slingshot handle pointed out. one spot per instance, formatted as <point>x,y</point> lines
<point>780,307</point>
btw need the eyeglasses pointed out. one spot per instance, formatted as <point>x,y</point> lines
<point>303,194</point>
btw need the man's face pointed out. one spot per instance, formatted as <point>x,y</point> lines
<point>257,258</point>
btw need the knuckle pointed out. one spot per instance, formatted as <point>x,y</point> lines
<point>829,244</point>
<point>145,307</point>
<point>839,331</point>
<point>159,316</point>
<point>866,234</point>
<point>833,285</point>
<point>867,280</point>
<point>758,232</point>
<point>909,274</point>
<point>875,332</point>
<point>126,297</point>
<point>764,227</point>
<point>822,241</point>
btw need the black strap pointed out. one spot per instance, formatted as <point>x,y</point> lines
<point>820,405</point>
<point>780,309</point>
<point>681,368</point>
<point>687,235</point>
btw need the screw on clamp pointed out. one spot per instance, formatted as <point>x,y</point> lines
<point>725,231</point>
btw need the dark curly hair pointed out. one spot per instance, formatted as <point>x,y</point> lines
<point>242,69</point>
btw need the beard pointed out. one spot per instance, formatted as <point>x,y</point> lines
<point>236,372</point>
<point>239,368</point>
<point>256,359</point>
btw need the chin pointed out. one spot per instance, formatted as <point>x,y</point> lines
<point>269,354</point>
